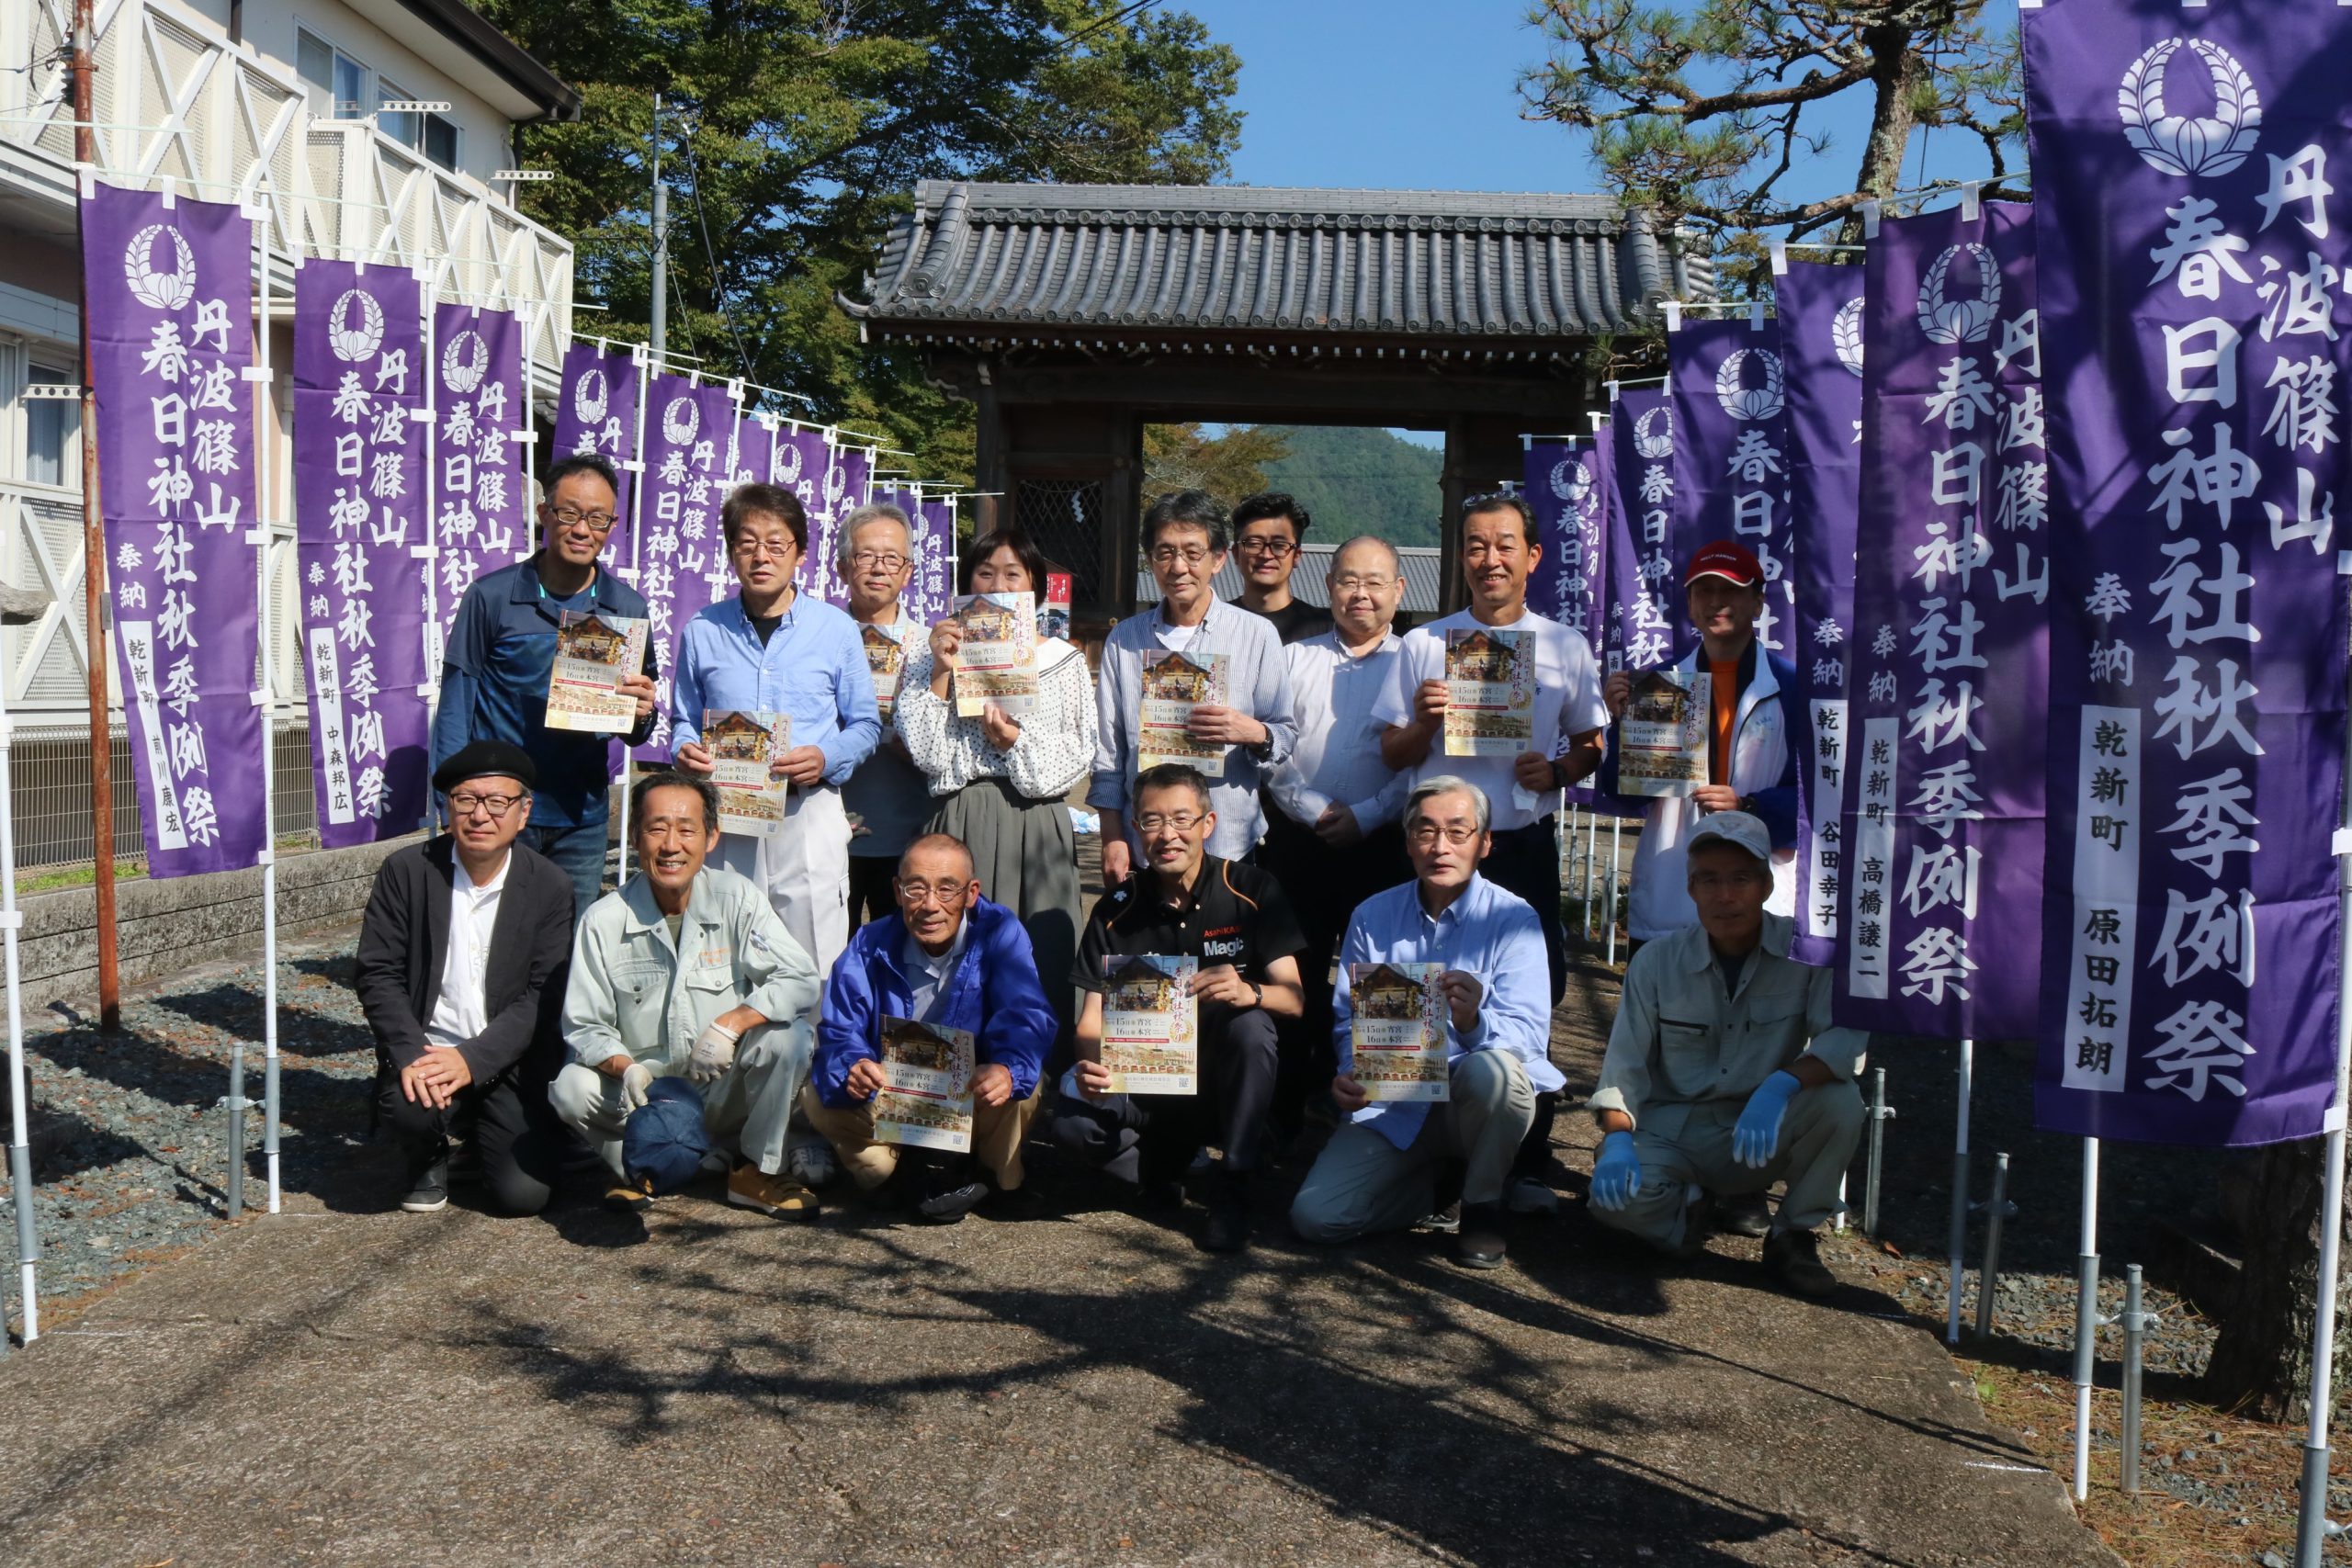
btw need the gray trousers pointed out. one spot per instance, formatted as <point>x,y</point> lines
<point>1362,1182</point>
<point>1817,1138</point>
<point>749,1105</point>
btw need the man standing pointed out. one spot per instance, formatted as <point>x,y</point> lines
<point>502,649</point>
<point>1332,827</point>
<point>1757,732</point>
<point>1376,1173</point>
<point>1185,537</point>
<point>1236,921</point>
<point>772,648</point>
<point>887,796</point>
<point>462,971</point>
<point>1499,550</point>
<point>950,958</point>
<point>687,970</point>
<point>1723,1073</point>
<point>1268,532</point>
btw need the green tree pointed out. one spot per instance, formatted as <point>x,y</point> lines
<point>1185,456</point>
<point>793,132</point>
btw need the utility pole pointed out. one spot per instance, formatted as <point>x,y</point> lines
<point>94,567</point>
<point>661,242</point>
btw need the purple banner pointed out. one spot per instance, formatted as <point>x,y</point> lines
<point>1639,475</point>
<point>480,489</point>
<point>755,443</point>
<point>1948,706</point>
<point>931,587</point>
<point>169,290</point>
<point>848,484</point>
<point>1732,459</point>
<point>681,560</point>
<point>360,415</point>
<point>2195,350</point>
<point>1566,484</point>
<point>597,411</point>
<point>1821,340</point>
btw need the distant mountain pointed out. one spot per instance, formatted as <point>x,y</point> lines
<point>1358,481</point>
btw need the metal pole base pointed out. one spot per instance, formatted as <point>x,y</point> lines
<point>1958,1246</point>
<point>2312,1525</point>
<point>20,1186</point>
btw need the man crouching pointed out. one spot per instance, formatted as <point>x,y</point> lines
<point>685,969</point>
<point>1724,1074</point>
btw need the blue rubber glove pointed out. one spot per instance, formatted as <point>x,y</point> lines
<point>1617,1174</point>
<point>1757,1137</point>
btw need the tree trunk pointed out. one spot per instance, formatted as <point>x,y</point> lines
<point>1898,64</point>
<point>2262,1363</point>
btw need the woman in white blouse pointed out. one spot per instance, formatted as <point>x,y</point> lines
<point>1002,783</point>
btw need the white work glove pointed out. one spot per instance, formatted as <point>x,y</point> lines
<point>714,1052</point>
<point>637,1085</point>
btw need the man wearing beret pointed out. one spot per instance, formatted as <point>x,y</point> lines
<point>947,957</point>
<point>686,970</point>
<point>462,955</point>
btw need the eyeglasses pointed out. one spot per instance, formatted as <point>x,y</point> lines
<point>753,549</point>
<point>1350,584</point>
<point>1182,821</point>
<point>867,559</point>
<point>1267,545</point>
<point>1169,555</point>
<point>946,894</point>
<point>496,804</point>
<point>1425,834</point>
<point>571,517</point>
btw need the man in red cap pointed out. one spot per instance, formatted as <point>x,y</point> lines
<point>1756,740</point>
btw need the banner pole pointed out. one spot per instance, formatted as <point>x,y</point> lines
<point>2312,1525</point>
<point>1615,824</point>
<point>264,699</point>
<point>94,565</point>
<point>436,639</point>
<point>1959,1238</point>
<point>1591,864</point>
<point>20,1161</point>
<point>2086,1320</point>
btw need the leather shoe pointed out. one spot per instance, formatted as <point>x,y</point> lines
<point>1794,1258</point>
<point>1479,1245</point>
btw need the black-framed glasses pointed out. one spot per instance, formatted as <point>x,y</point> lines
<point>467,804</point>
<point>1182,821</point>
<point>571,517</point>
<point>1268,544</point>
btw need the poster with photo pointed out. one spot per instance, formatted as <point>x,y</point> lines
<point>926,1099</point>
<point>593,653</point>
<point>743,744</point>
<point>1150,1033</point>
<point>1489,692</point>
<point>1662,738</point>
<point>1396,1027</point>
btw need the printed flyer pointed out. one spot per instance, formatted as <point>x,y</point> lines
<point>741,744</point>
<point>592,654</point>
<point>1662,738</point>
<point>1173,685</point>
<point>1398,1027</point>
<point>1489,692</point>
<point>886,658</point>
<point>926,1100</point>
<point>1150,1038</point>
<point>997,661</point>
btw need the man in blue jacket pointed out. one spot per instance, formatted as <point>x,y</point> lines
<point>951,959</point>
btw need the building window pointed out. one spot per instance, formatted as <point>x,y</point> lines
<point>340,87</point>
<point>442,143</point>
<point>401,128</point>
<point>48,429</point>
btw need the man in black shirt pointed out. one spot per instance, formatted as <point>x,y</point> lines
<point>1268,530</point>
<point>1234,919</point>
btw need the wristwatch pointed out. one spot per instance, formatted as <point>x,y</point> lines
<point>1257,994</point>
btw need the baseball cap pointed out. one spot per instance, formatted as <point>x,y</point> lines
<point>1733,828</point>
<point>1732,562</point>
<point>664,1140</point>
<point>486,759</point>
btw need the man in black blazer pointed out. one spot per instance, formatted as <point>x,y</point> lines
<point>462,958</point>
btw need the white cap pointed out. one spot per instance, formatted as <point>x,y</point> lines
<point>1734,828</point>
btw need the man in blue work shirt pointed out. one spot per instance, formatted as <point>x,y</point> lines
<point>772,648</point>
<point>502,647</point>
<point>1377,1172</point>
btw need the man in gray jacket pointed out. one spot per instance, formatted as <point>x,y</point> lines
<point>686,970</point>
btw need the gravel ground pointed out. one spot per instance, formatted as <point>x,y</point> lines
<point>129,1145</point>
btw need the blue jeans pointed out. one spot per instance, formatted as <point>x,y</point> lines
<point>579,853</point>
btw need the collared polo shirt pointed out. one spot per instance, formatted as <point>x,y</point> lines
<point>1233,914</point>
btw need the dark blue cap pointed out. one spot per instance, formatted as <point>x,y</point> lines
<point>664,1140</point>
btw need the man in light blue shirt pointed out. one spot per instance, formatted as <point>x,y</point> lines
<point>772,648</point>
<point>1377,1172</point>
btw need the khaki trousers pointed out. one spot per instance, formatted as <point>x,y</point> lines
<point>1817,1137</point>
<point>998,1132</point>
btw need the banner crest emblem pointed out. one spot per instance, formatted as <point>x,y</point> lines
<point>2187,144</point>
<point>159,290</point>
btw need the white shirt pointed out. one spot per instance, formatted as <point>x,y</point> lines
<point>1338,756</point>
<point>459,1013</point>
<point>1173,638</point>
<point>1568,703</point>
<point>927,977</point>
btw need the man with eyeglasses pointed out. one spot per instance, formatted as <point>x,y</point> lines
<point>776,649</point>
<point>1268,530</point>
<point>1332,825</point>
<point>462,956</point>
<point>1185,536</point>
<point>502,649</point>
<point>1237,921</point>
<point>888,796</point>
<point>1723,1073</point>
<point>1379,1171</point>
<point>1500,548</point>
<point>947,957</point>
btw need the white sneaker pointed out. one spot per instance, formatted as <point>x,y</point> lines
<point>1528,1196</point>
<point>811,1165</point>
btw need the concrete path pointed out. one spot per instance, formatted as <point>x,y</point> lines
<point>342,1385</point>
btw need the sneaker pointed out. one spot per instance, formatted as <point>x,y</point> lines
<point>1526,1195</point>
<point>630,1197</point>
<point>780,1197</point>
<point>1479,1245</point>
<point>1794,1258</point>
<point>949,1190</point>
<point>1447,1220</point>
<point>811,1165</point>
<point>1745,1215</point>
<point>430,1189</point>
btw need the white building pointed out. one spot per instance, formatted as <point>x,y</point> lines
<point>276,103</point>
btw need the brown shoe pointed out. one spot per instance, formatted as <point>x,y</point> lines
<point>748,1187</point>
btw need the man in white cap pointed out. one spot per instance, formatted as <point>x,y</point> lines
<point>1723,1073</point>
